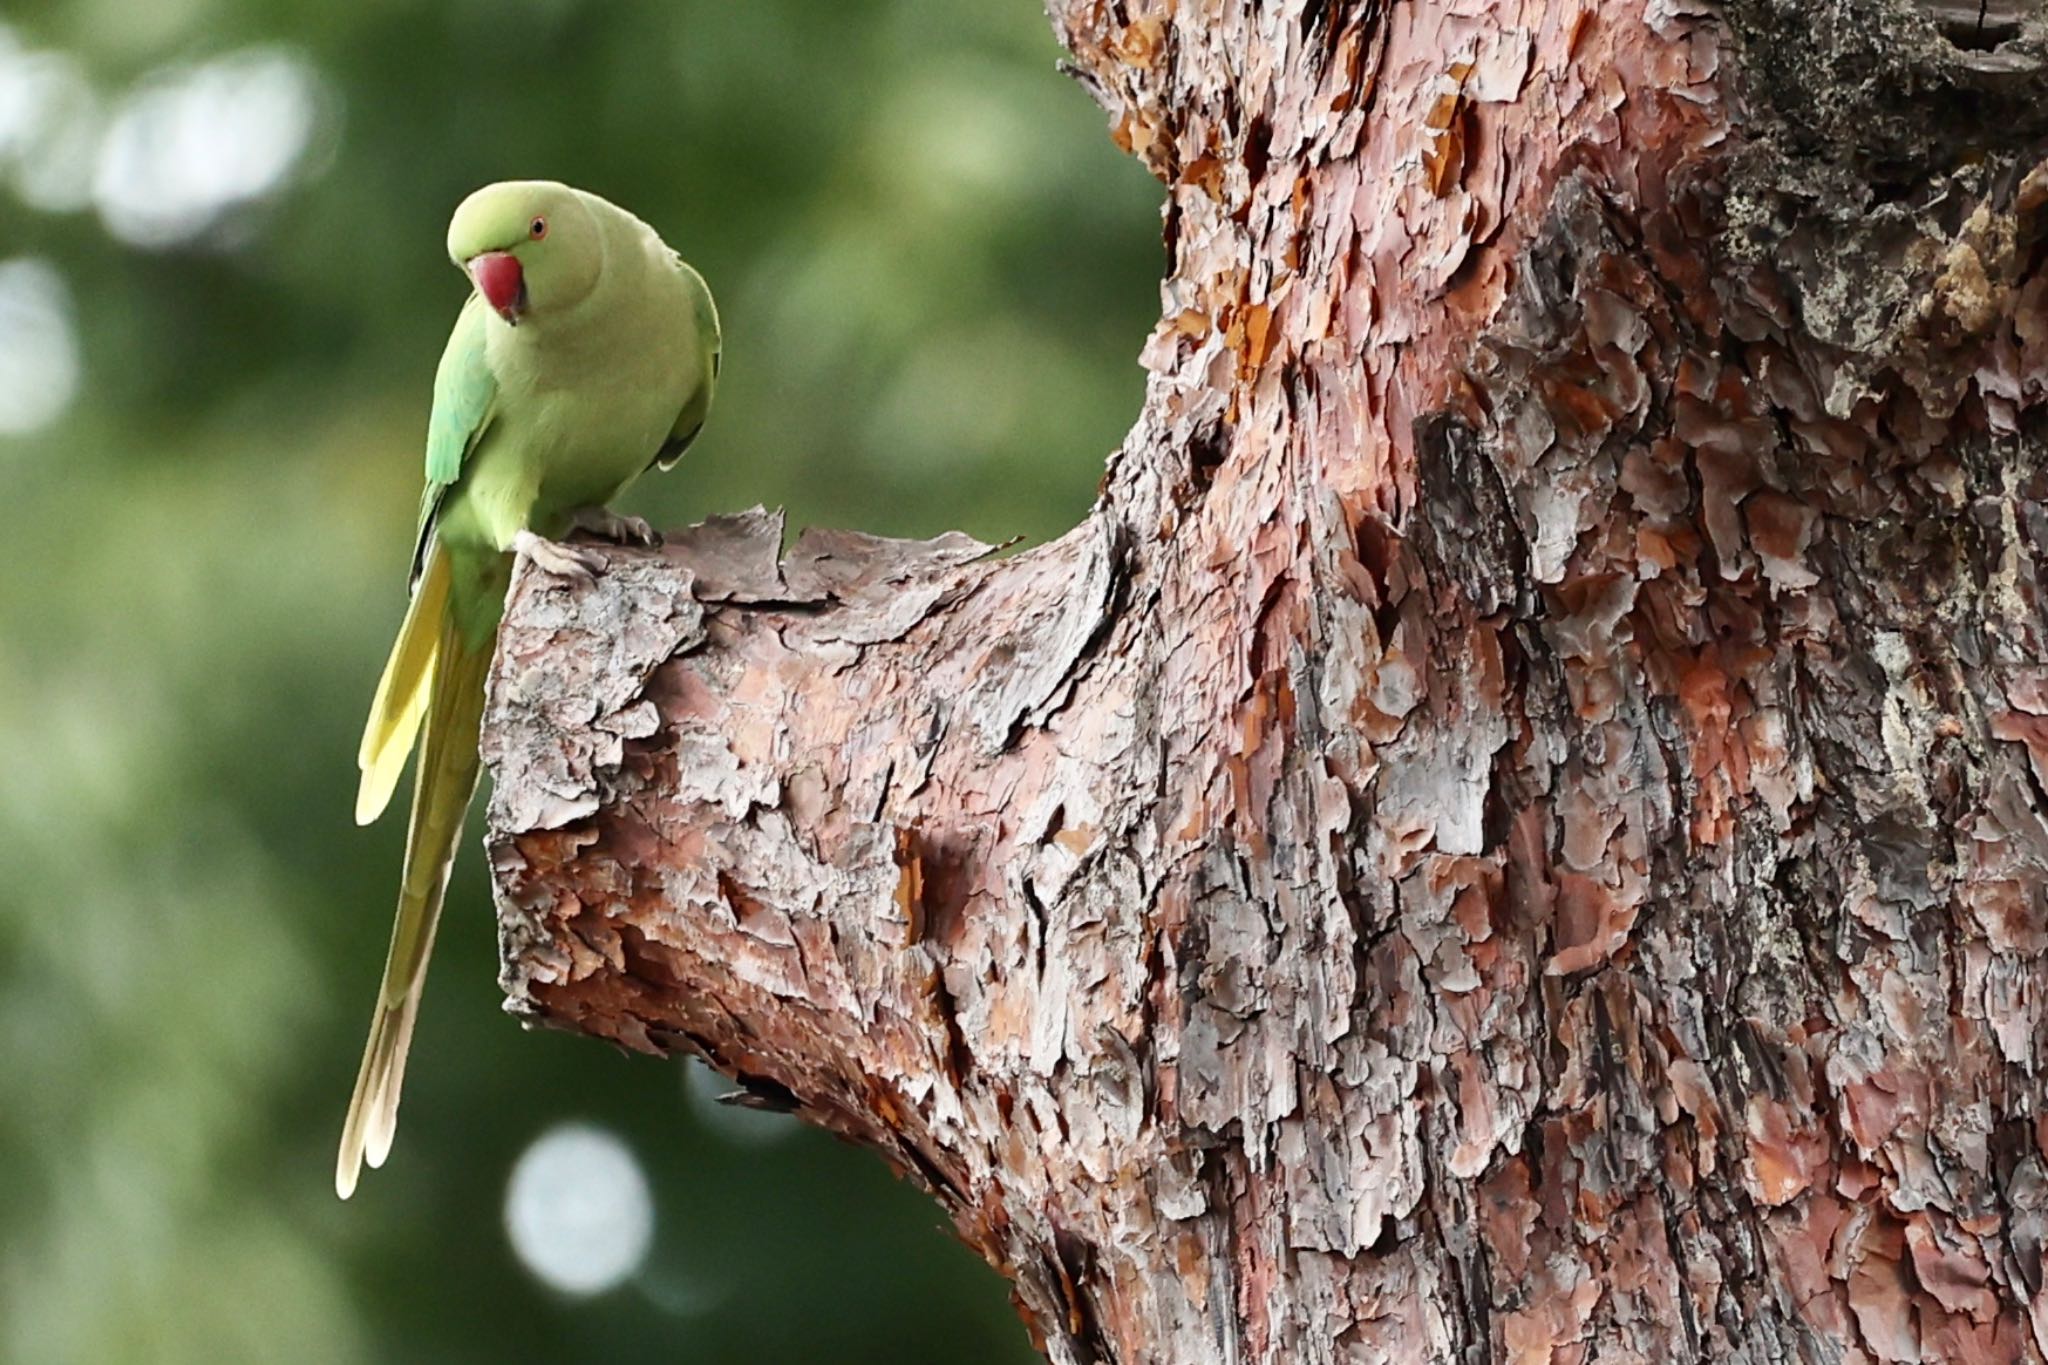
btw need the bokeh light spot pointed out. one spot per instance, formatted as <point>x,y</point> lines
<point>579,1210</point>
<point>38,346</point>
<point>50,124</point>
<point>191,145</point>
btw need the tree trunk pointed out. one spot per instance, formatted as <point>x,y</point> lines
<point>1516,829</point>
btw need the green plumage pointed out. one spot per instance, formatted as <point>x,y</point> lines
<point>548,400</point>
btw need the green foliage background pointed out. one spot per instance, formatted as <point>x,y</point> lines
<point>935,272</point>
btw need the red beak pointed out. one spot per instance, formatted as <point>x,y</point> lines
<point>502,283</point>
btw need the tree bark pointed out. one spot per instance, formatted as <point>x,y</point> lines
<point>1516,829</point>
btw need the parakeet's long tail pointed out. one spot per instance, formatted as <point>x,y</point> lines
<point>436,673</point>
<point>402,692</point>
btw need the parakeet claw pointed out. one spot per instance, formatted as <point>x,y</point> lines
<point>606,524</point>
<point>563,561</point>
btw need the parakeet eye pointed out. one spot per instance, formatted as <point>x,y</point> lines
<point>538,228</point>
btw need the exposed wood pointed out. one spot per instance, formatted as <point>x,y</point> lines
<point>1518,829</point>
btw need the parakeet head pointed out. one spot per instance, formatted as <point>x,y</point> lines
<point>531,247</point>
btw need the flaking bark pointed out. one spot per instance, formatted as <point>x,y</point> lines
<point>1516,829</point>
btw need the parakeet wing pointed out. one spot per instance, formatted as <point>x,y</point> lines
<point>690,420</point>
<point>465,403</point>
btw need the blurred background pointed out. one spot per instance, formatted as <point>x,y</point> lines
<point>222,295</point>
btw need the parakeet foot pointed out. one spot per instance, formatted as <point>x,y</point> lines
<point>606,524</point>
<point>563,561</point>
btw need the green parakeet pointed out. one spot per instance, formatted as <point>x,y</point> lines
<point>585,356</point>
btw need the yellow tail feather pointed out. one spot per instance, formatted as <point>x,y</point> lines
<point>450,692</point>
<point>401,698</point>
